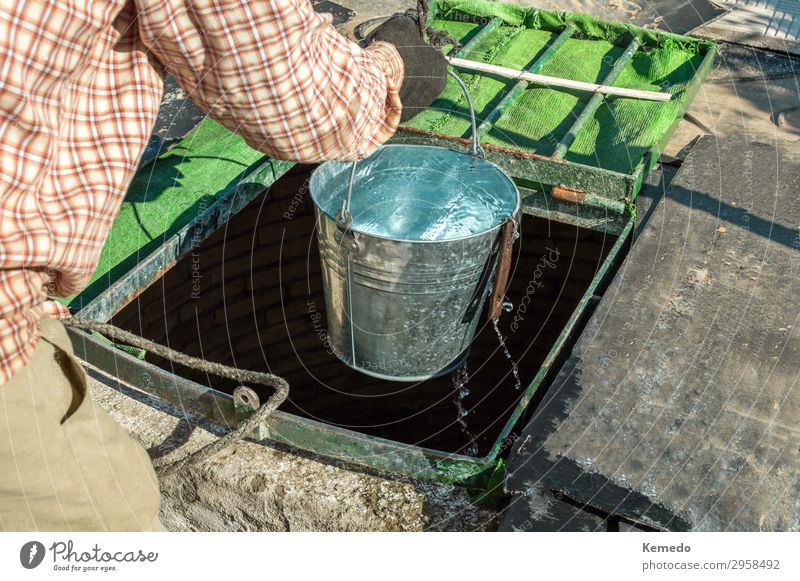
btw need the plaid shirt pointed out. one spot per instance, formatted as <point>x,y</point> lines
<point>80,86</point>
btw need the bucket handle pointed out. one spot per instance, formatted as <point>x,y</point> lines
<point>344,220</point>
<point>476,148</point>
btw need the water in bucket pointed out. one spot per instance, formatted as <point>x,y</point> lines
<point>419,194</point>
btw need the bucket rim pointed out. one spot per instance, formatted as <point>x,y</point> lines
<point>512,215</point>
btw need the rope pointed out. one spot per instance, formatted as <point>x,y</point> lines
<point>244,427</point>
<point>436,38</point>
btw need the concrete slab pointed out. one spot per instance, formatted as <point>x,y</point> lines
<point>679,406</point>
<point>250,487</point>
<point>742,97</point>
<point>678,16</point>
<point>177,116</point>
<point>771,24</point>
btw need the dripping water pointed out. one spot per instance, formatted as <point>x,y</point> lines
<point>514,370</point>
<point>460,380</point>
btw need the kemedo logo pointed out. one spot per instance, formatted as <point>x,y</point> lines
<point>31,554</point>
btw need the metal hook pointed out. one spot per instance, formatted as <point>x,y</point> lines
<point>344,219</point>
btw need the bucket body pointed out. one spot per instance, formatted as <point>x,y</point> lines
<point>401,308</point>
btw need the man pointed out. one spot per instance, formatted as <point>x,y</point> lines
<point>80,86</point>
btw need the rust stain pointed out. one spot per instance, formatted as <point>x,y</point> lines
<point>503,269</point>
<point>486,146</point>
<point>568,195</point>
<point>139,290</point>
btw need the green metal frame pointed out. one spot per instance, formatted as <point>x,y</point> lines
<point>332,442</point>
<point>479,36</point>
<point>339,444</point>
<point>519,88</point>
<point>597,99</point>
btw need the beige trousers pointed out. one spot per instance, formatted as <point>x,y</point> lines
<point>65,465</point>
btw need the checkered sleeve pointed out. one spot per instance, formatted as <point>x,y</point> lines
<point>278,74</point>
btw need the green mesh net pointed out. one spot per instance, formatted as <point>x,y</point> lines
<point>622,130</point>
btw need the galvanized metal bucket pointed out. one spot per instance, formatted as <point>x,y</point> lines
<point>406,282</point>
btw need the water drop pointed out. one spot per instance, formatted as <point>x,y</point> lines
<point>460,378</point>
<point>514,370</point>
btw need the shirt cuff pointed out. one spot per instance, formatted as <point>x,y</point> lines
<point>390,62</point>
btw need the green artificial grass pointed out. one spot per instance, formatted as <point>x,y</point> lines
<point>165,196</point>
<point>622,131</point>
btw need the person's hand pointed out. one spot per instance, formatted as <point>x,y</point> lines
<point>425,67</point>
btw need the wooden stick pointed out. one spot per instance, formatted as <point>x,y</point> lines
<point>557,82</point>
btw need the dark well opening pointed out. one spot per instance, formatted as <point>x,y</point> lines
<point>251,295</point>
